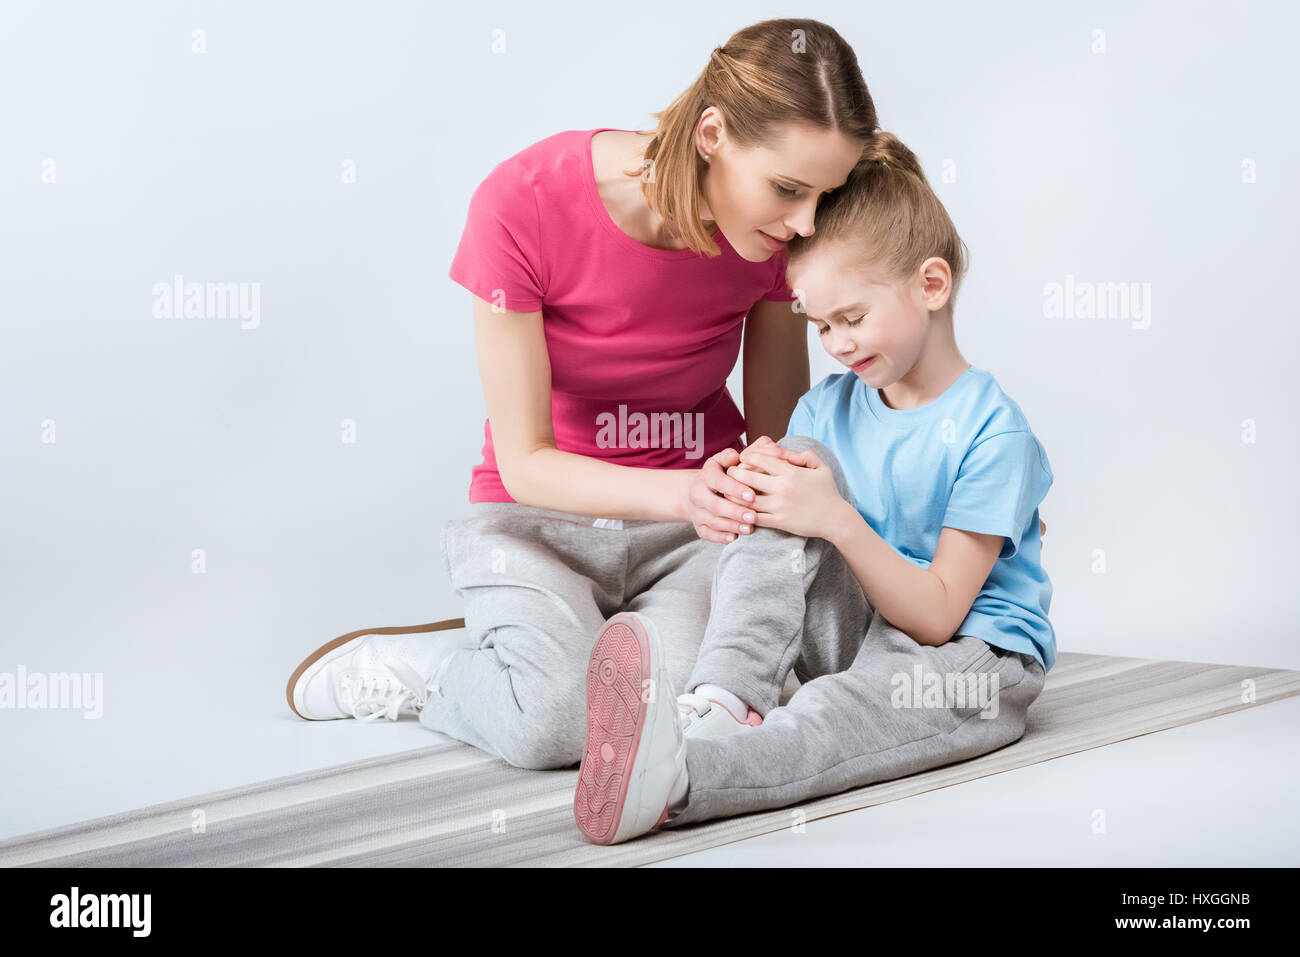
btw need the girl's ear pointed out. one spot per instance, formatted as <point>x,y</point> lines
<point>936,282</point>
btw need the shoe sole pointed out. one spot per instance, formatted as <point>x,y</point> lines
<point>336,645</point>
<point>622,659</point>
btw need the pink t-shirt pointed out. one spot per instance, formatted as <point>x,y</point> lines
<point>640,340</point>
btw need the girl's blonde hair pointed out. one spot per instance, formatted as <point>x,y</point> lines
<point>768,75</point>
<point>887,213</point>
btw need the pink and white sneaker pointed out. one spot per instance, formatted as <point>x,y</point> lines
<point>635,751</point>
<point>703,717</point>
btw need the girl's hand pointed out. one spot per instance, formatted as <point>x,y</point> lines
<point>739,471</point>
<point>765,444</point>
<point>796,491</point>
<point>761,443</point>
<point>715,503</point>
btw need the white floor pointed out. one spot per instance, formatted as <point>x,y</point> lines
<point>1218,792</point>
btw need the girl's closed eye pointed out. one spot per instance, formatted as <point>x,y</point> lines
<point>822,330</point>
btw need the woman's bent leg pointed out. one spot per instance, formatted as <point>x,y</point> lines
<point>538,586</point>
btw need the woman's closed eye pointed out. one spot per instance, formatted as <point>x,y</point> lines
<point>791,193</point>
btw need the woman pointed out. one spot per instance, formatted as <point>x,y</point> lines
<point>612,273</point>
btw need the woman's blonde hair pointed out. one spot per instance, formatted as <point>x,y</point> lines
<point>768,75</point>
<point>887,213</point>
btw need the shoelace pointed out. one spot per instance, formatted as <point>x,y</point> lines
<point>379,696</point>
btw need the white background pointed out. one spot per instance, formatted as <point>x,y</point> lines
<point>183,434</point>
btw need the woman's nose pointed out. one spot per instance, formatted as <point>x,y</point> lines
<point>802,222</point>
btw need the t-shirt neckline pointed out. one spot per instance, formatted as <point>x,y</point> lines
<point>906,418</point>
<point>606,220</point>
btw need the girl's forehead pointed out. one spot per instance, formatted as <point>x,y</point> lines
<point>826,268</point>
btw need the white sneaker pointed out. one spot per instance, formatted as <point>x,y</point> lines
<point>368,677</point>
<point>634,751</point>
<point>703,717</point>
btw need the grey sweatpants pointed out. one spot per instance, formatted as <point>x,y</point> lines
<point>538,586</point>
<point>873,704</point>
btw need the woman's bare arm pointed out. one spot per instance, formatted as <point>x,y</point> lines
<point>775,367</point>
<point>515,370</point>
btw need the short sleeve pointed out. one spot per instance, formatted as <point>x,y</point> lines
<point>1000,483</point>
<point>801,420</point>
<point>779,291</point>
<point>499,256</point>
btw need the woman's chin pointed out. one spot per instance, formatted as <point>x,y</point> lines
<point>756,251</point>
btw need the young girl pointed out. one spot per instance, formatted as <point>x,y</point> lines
<point>894,564</point>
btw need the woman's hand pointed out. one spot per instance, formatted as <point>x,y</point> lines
<point>716,504</point>
<point>719,506</point>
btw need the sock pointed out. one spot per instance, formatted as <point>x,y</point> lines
<point>723,696</point>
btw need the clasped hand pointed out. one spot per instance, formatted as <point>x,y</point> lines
<point>793,490</point>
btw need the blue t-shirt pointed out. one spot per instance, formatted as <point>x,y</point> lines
<point>966,460</point>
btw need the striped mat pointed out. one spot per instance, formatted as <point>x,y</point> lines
<point>453,805</point>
